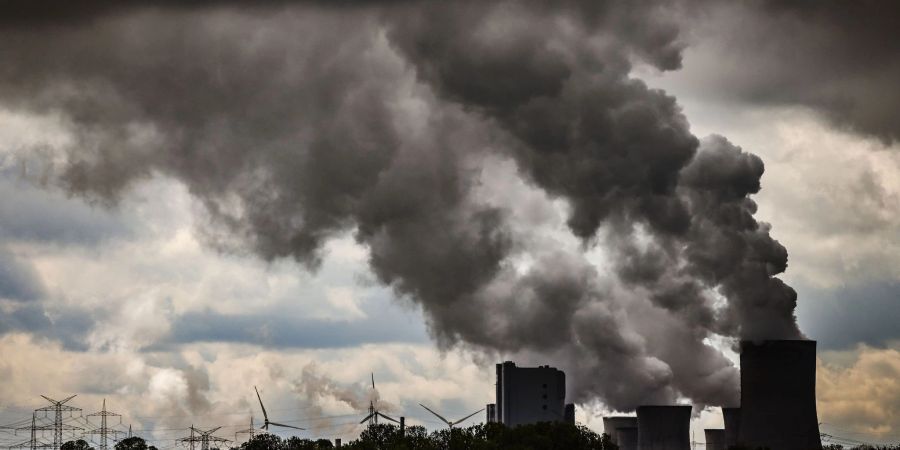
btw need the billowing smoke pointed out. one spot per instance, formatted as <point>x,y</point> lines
<point>837,59</point>
<point>318,391</point>
<point>295,123</point>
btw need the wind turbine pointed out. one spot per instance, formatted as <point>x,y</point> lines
<point>374,413</point>
<point>266,421</point>
<point>449,423</point>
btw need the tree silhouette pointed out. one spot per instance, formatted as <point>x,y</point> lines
<point>80,444</point>
<point>490,436</point>
<point>133,443</point>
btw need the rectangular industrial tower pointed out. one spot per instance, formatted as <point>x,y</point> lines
<point>529,395</point>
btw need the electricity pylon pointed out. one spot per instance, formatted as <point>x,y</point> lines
<point>32,443</point>
<point>249,431</point>
<point>203,437</point>
<point>105,431</point>
<point>57,407</point>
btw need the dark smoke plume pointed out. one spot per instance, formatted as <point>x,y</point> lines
<point>296,123</point>
<point>836,58</point>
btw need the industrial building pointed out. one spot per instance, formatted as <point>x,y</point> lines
<point>732,418</point>
<point>777,411</point>
<point>715,438</point>
<point>528,395</point>
<point>778,395</point>
<point>611,426</point>
<point>627,438</point>
<point>664,427</point>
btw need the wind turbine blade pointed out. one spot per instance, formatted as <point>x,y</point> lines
<point>49,399</point>
<point>367,418</point>
<point>388,418</point>
<point>436,414</point>
<point>265,415</point>
<point>470,415</point>
<point>285,426</point>
<point>68,398</point>
<point>213,430</point>
<point>373,380</point>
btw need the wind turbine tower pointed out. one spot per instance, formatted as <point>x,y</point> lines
<point>266,421</point>
<point>374,413</point>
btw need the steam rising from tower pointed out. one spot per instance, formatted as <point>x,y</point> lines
<point>389,121</point>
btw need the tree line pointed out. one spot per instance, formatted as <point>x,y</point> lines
<point>489,436</point>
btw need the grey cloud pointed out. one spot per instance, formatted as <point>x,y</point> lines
<point>837,58</point>
<point>31,214</point>
<point>377,122</point>
<point>68,326</point>
<point>842,317</point>
<point>18,280</point>
<point>278,329</point>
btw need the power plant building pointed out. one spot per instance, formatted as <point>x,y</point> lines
<point>778,395</point>
<point>611,425</point>
<point>627,438</point>
<point>664,427</point>
<point>527,395</point>
<point>715,439</point>
<point>732,418</point>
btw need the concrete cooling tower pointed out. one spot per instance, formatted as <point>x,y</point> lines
<point>664,427</point>
<point>715,439</point>
<point>778,395</point>
<point>732,418</point>
<point>627,438</point>
<point>611,424</point>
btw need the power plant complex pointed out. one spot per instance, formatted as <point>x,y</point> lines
<point>777,411</point>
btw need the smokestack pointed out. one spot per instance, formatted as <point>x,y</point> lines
<point>715,439</point>
<point>664,427</point>
<point>627,438</point>
<point>732,417</point>
<point>778,395</point>
<point>610,424</point>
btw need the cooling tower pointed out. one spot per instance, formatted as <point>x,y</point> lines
<point>778,395</point>
<point>715,439</point>
<point>610,424</point>
<point>627,438</point>
<point>664,427</point>
<point>732,418</point>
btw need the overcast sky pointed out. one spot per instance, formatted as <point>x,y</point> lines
<point>200,198</point>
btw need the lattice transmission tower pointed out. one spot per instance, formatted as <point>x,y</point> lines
<point>202,437</point>
<point>104,431</point>
<point>252,431</point>
<point>32,443</point>
<point>58,408</point>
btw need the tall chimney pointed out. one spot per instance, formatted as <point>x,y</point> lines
<point>715,439</point>
<point>627,438</point>
<point>610,424</point>
<point>664,427</point>
<point>778,395</point>
<point>732,417</point>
